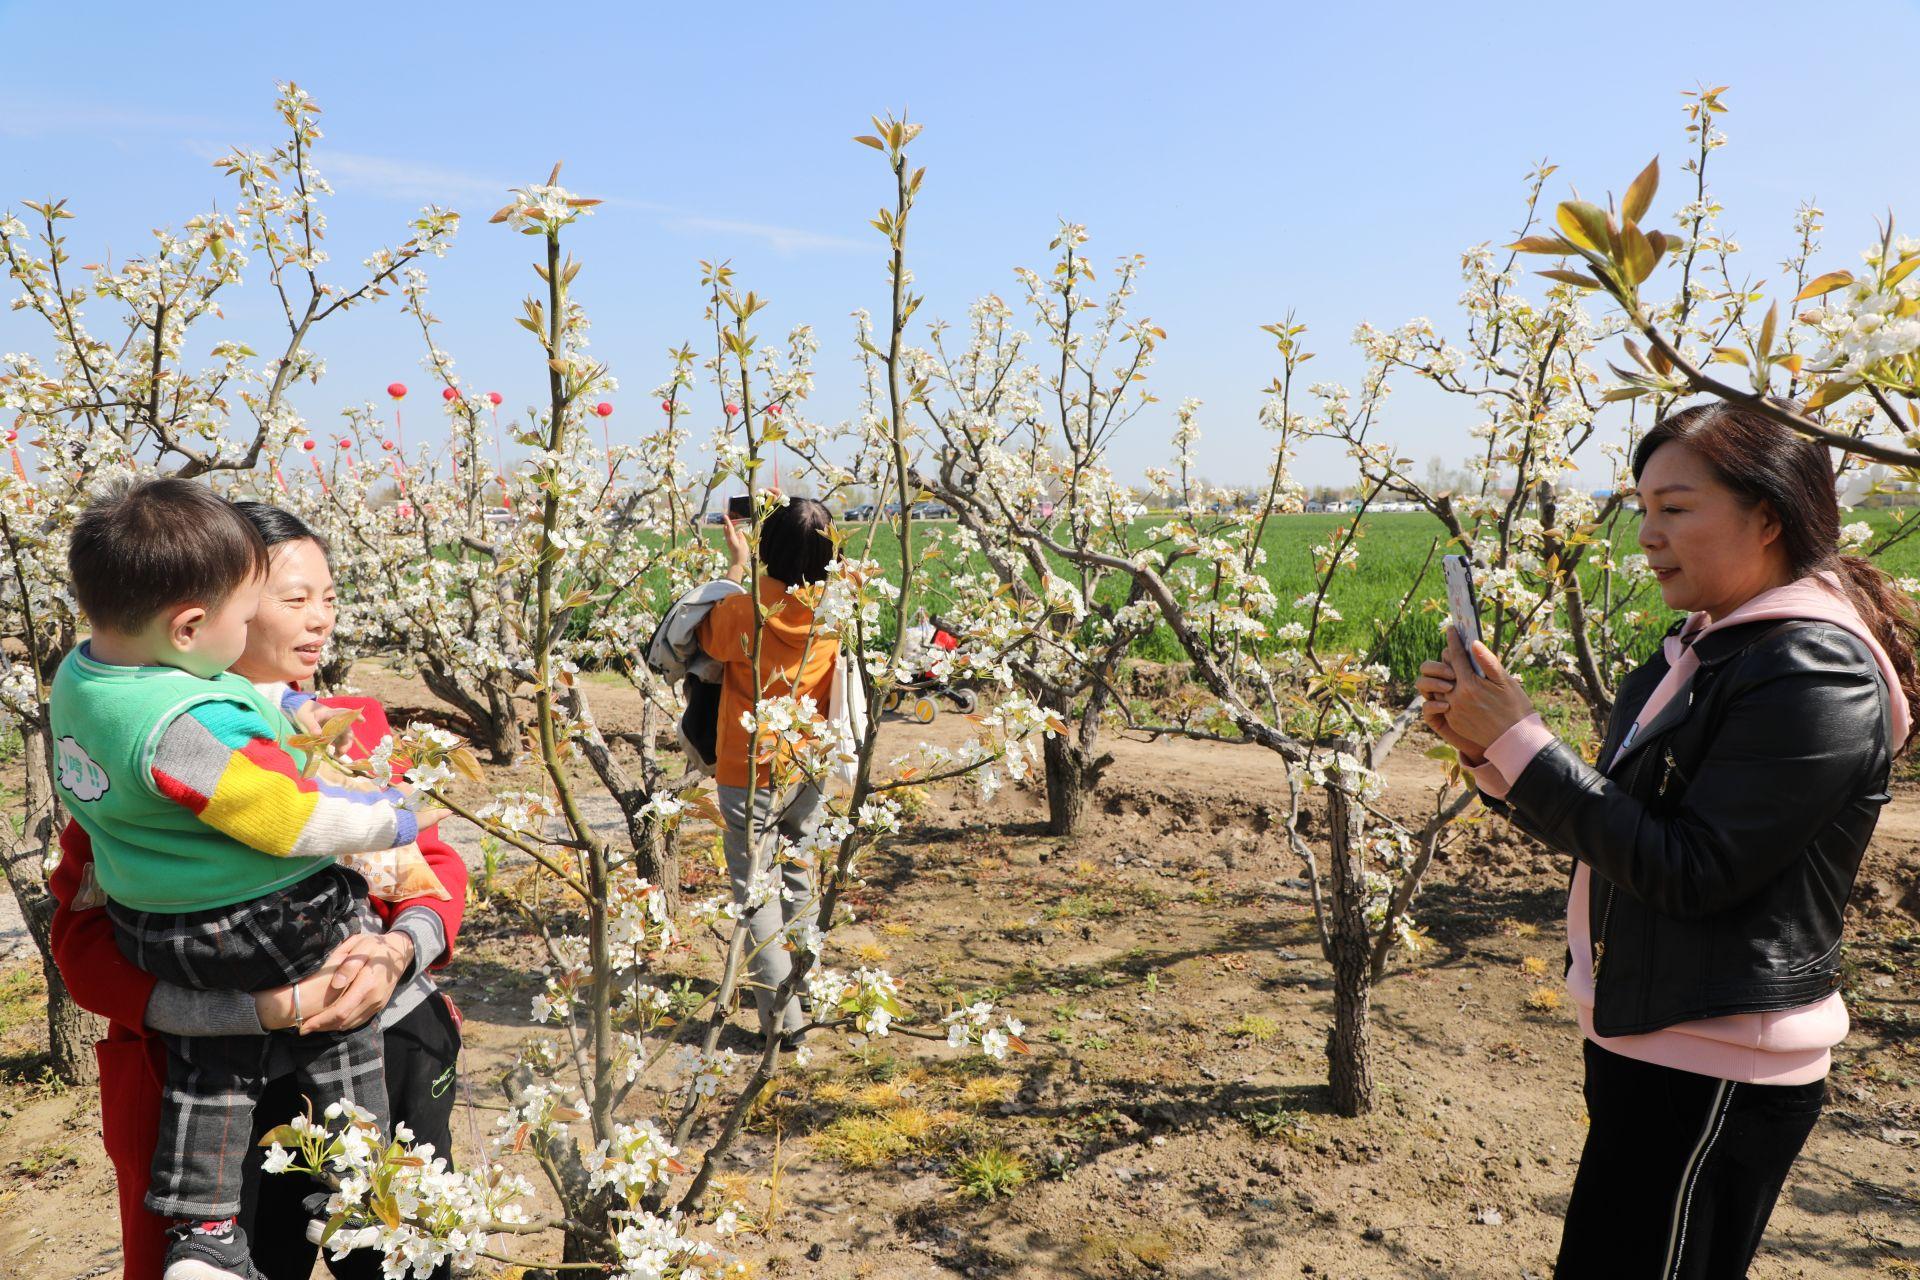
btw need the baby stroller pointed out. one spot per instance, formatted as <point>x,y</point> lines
<point>918,698</point>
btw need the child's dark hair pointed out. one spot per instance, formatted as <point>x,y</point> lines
<point>277,525</point>
<point>157,544</point>
<point>796,542</point>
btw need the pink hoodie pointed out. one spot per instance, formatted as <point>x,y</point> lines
<point>1793,1046</point>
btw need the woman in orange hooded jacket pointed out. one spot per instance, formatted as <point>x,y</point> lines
<point>786,654</point>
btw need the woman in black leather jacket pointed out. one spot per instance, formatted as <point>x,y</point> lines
<point>1715,845</point>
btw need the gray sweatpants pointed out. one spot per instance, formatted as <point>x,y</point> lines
<point>792,815</point>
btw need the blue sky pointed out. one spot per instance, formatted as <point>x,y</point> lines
<point>1329,160</point>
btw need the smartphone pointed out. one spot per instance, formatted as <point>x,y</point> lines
<point>741,507</point>
<point>1462,605</point>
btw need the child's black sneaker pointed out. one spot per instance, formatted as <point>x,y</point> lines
<point>208,1251</point>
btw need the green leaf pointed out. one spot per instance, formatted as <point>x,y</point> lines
<point>1543,244</point>
<point>1573,278</point>
<point>1768,328</point>
<point>1831,392</point>
<point>1731,355</point>
<point>1820,286</point>
<point>1634,205</point>
<point>1637,253</point>
<point>870,141</point>
<point>1902,271</point>
<point>1585,224</point>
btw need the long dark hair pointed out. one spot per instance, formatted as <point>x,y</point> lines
<point>796,541</point>
<point>278,525</point>
<point>1763,461</point>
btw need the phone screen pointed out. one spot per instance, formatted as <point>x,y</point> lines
<point>1462,605</point>
<point>740,507</point>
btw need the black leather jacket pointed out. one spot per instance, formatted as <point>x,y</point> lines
<point>1724,840</point>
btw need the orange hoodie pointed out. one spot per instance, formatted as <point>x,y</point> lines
<point>795,659</point>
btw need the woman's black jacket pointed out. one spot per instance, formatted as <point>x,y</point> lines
<point>1725,838</point>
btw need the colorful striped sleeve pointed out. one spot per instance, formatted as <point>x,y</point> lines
<point>220,761</point>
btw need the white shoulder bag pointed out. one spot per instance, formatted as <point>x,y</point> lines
<point>847,714</point>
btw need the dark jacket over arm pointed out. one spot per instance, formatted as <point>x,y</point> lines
<point>1725,839</point>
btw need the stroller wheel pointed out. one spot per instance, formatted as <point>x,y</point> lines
<point>964,701</point>
<point>924,709</point>
<point>890,700</point>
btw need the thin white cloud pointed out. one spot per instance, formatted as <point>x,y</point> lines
<point>358,173</point>
<point>782,239</point>
<point>43,119</point>
<point>352,172</point>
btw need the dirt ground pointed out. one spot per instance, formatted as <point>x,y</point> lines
<point>1172,1117</point>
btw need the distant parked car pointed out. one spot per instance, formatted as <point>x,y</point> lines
<point>862,512</point>
<point>498,515</point>
<point>931,511</point>
<point>717,517</point>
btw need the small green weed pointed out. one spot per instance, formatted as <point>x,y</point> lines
<point>1255,1028</point>
<point>992,1172</point>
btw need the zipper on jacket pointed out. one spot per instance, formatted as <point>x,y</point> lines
<point>1671,772</point>
<point>1600,944</point>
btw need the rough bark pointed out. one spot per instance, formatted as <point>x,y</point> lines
<point>1073,772</point>
<point>71,1030</point>
<point>1075,764</point>
<point>496,723</point>
<point>1349,1043</point>
<point>656,858</point>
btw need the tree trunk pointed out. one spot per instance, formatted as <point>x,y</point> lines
<point>1350,1043</point>
<point>656,857</point>
<point>333,674</point>
<point>496,723</point>
<point>588,1212</point>
<point>71,1030</point>
<point>1073,771</point>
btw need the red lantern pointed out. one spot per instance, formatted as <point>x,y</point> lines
<point>732,408</point>
<point>604,409</point>
<point>387,445</point>
<point>449,394</point>
<point>772,411</point>
<point>12,436</point>
<point>495,398</point>
<point>309,445</point>
<point>666,406</point>
<point>398,390</point>
<point>343,444</point>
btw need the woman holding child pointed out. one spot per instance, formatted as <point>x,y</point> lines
<point>373,975</point>
<point>1716,843</point>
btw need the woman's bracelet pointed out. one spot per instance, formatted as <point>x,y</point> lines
<point>298,1017</point>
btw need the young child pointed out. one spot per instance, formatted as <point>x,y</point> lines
<point>217,853</point>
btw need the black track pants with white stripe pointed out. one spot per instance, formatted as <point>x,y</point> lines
<point>1680,1171</point>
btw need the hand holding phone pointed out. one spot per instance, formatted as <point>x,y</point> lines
<point>1463,607</point>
